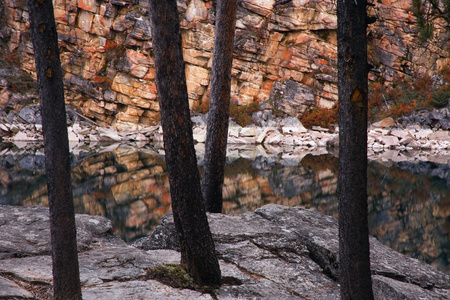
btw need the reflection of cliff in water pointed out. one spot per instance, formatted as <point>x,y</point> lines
<point>409,203</point>
<point>127,185</point>
<point>410,211</point>
<point>262,182</point>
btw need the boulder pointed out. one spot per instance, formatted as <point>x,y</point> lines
<point>387,122</point>
<point>406,140</point>
<point>199,134</point>
<point>262,136</point>
<point>249,131</point>
<point>108,135</point>
<point>388,141</point>
<point>30,115</point>
<point>234,129</point>
<point>292,125</point>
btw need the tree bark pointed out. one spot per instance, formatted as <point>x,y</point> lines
<point>354,264</point>
<point>219,109</point>
<point>66,278</point>
<point>197,246</point>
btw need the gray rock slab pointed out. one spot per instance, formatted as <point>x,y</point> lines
<point>319,233</point>
<point>31,268</point>
<point>25,231</point>
<point>389,263</point>
<point>132,290</point>
<point>253,286</point>
<point>388,288</point>
<point>10,290</point>
<point>260,288</point>
<point>97,266</point>
<point>114,263</point>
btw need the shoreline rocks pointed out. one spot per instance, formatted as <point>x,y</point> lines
<point>252,249</point>
<point>385,135</point>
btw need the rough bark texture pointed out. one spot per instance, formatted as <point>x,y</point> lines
<point>354,266</point>
<point>219,109</point>
<point>57,163</point>
<point>197,246</point>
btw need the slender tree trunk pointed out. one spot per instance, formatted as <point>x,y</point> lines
<point>354,264</point>
<point>57,163</point>
<point>219,109</point>
<point>197,245</point>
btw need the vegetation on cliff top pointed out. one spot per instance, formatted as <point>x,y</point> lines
<point>395,100</point>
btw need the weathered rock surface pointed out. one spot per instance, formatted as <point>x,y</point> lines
<point>10,290</point>
<point>276,252</point>
<point>109,268</point>
<point>25,232</point>
<point>304,245</point>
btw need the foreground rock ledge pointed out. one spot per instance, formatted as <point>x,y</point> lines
<point>277,252</point>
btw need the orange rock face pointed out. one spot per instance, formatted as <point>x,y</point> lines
<point>106,48</point>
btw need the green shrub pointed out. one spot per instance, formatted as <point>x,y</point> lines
<point>172,275</point>
<point>242,114</point>
<point>440,98</point>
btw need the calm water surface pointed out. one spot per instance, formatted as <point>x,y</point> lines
<point>409,203</point>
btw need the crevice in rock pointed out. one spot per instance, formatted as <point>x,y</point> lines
<point>230,280</point>
<point>277,251</point>
<point>259,276</point>
<point>330,267</point>
<point>321,256</point>
<point>402,278</point>
<point>8,255</point>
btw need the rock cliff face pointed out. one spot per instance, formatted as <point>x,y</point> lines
<point>284,55</point>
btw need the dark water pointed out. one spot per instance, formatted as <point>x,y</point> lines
<point>409,202</point>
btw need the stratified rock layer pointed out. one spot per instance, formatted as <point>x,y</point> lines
<point>284,55</point>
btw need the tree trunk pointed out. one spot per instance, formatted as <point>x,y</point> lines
<point>57,163</point>
<point>354,264</point>
<point>197,246</point>
<point>219,109</point>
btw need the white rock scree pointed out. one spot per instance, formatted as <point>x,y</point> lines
<point>25,126</point>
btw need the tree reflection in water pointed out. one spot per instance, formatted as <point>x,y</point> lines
<point>409,203</point>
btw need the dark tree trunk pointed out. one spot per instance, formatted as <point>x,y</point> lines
<point>219,109</point>
<point>354,264</point>
<point>57,164</point>
<point>197,246</point>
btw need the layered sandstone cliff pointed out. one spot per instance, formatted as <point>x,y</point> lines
<point>284,55</point>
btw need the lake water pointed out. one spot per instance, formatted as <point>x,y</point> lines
<point>409,202</point>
